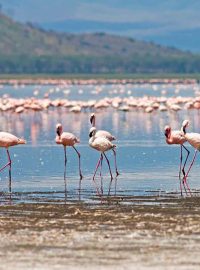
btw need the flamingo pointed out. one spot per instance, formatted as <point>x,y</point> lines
<point>176,137</point>
<point>67,139</point>
<point>194,140</point>
<point>102,145</point>
<point>7,140</point>
<point>107,135</point>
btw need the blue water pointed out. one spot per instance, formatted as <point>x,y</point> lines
<point>146,164</point>
<point>85,92</point>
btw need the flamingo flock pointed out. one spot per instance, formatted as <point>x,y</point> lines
<point>52,81</point>
<point>146,104</point>
<point>101,141</point>
<point>119,96</point>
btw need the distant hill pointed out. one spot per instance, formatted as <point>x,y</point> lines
<point>25,48</point>
<point>183,39</point>
<point>170,23</point>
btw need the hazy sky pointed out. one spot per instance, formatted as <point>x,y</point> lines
<point>177,13</point>
<point>148,18</point>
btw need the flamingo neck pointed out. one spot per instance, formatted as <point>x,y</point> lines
<point>59,132</point>
<point>58,140</point>
<point>183,130</point>
<point>169,140</point>
<point>91,140</point>
<point>93,122</point>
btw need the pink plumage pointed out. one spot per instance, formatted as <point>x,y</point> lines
<point>104,134</point>
<point>174,137</point>
<point>7,140</point>
<point>194,140</point>
<point>177,137</point>
<point>67,139</point>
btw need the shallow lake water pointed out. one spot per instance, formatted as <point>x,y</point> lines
<point>47,223</point>
<point>91,91</point>
<point>146,164</point>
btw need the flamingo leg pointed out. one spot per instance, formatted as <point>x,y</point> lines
<point>181,159</point>
<point>115,186</point>
<point>115,157</point>
<point>183,169</point>
<point>65,162</point>
<point>110,185</point>
<point>97,166</point>
<point>10,163</point>
<point>79,162</point>
<point>101,173</point>
<point>188,153</point>
<point>101,165</point>
<point>79,190</point>
<point>108,166</point>
<point>115,190</point>
<point>185,177</point>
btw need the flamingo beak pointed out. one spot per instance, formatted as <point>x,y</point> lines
<point>91,119</point>
<point>166,133</point>
<point>58,131</point>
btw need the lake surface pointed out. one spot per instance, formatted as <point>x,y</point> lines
<point>90,91</point>
<point>146,164</point>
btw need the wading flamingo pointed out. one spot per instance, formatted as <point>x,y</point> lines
<point>107,135</point>
<point>194,140</point>
<point>176,137</point>
<point>67,139</point>
<point>102,145</point>
<point>7,140</point>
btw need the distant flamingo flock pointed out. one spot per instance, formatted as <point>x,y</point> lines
<point>95,102</point>
<point>147,104</point>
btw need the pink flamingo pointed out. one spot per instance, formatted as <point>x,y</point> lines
<point>102,145</point>
<point>67,139</point>
<point>7,140</point>
<point>194,140</point>
<point>176,137</point>
<point>107,135</point>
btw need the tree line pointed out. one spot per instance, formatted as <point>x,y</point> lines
<point>23,64</point>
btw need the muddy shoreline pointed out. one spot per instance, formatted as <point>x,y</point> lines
<point>107,235</point>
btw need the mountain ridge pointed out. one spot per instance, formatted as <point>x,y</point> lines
<point>38,50</point>
<point>170,23</point>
